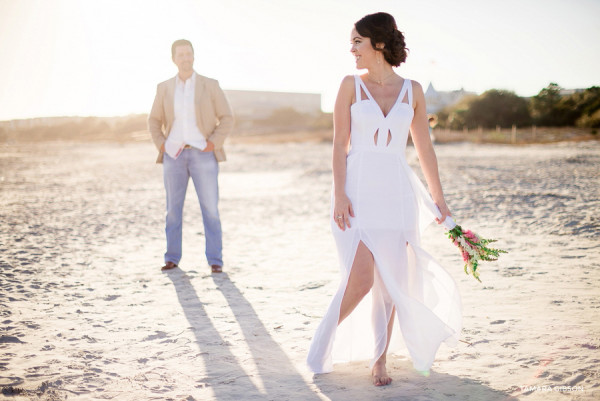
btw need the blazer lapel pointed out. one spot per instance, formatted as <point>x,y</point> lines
<point>170,101</point>
<point>198,94</point>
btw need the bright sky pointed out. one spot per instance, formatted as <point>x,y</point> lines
<point>103,58</point>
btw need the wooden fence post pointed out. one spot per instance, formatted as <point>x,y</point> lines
<point>513,135</point>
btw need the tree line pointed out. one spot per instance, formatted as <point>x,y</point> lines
<point>549,108</point>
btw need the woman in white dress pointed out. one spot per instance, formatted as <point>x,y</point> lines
<point>379,209</point>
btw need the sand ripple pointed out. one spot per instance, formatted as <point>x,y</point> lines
<point>87,315</point>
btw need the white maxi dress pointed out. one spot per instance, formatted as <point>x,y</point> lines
<point>391,208</point>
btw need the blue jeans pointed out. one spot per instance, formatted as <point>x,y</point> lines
<point>203,168</point>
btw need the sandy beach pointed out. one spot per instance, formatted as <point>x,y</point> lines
<point>88,315</point>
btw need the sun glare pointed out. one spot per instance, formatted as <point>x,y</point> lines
<point>69,57</point>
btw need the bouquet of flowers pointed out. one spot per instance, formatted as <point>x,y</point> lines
<point>472,247</point>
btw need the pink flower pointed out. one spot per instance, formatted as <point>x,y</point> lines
<point>469,234</point>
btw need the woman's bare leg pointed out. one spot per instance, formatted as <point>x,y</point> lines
<point>380,376</point>
<point>359,282</point>
<point>359,285</point>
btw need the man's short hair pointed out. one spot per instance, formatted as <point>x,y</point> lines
<point>180,42</point>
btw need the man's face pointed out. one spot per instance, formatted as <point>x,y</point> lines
<point>184,59</point>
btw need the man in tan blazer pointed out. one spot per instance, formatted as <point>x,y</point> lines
<point>189,122</point>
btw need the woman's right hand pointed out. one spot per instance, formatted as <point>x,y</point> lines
<point>342,211</point>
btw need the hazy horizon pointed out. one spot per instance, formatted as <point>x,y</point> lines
<point>104,59</point>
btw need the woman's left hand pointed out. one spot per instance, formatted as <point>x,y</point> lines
<point>445,212</point>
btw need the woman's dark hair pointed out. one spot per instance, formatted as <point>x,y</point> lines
<point>381,28</point>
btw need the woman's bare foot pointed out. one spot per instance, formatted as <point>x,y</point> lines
<point>380,376</point>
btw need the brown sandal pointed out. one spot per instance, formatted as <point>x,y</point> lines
<point>168,266</point>
<point>216,268</point>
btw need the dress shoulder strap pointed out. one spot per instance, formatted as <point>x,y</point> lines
<point>410,93</point>
<point>357,88</point>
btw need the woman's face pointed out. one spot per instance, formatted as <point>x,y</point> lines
<point>362,50</point>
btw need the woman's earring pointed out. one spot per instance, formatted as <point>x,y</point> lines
<point>378,60</point>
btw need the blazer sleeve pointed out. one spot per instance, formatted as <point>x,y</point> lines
<point>224,116</point>
<point>156,119</point>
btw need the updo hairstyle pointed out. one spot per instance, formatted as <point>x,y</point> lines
<point>381,28</point>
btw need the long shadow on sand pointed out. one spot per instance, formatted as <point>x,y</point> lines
<point>228,380</point>
<point>348,378</point>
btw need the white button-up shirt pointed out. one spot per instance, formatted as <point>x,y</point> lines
<point>185,130</point>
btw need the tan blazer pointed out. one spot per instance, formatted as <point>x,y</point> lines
<point>213,114</point>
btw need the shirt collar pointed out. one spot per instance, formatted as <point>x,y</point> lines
<point>192,79</point>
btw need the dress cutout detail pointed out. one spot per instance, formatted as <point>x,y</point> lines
<point>391,207</point>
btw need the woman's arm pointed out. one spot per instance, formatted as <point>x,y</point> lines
<point>341,143</point>
<point>420,136</point>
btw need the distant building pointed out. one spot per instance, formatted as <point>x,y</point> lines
<point>437,100</point>
<point>259,104</point>
<point>246,105</point>
<point>569,92</point>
